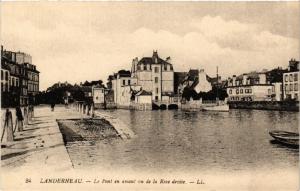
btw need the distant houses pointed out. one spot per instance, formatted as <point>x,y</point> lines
<point>274,85</point>
<point>152,80</point>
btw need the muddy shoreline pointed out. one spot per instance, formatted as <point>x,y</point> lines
<point>86,130</point>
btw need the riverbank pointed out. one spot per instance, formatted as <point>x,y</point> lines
<point>265,105</point>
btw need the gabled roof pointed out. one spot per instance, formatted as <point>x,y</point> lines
<point>149,60</point>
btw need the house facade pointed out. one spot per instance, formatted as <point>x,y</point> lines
<point>154,75</point>
<point>249,87</point>
<point>291,81</point>
<point>22,78</point>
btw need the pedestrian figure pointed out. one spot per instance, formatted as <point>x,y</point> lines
<point>52,106</point>
<point>19,118</point>
<point>66,103</point>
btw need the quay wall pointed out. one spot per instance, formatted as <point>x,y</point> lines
<point>265,105</point>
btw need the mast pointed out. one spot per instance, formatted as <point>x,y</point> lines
<point>217,98</point>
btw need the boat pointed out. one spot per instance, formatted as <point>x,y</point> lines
<point>219,107</point>
<point>285,137</point>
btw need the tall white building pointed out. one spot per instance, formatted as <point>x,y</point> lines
<point>154,75</point>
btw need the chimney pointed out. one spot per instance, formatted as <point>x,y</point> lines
<point>245,79</point>
<point>234,80</point>
<point>155,57</point>
<point>228,82</point>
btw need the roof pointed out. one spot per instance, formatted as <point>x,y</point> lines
<point>143,93</point>
<point>149,60</point>
<point>86,88</point>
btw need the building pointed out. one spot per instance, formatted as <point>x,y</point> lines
<point>5,84</point>
<point>98,93</point>
<point>32,81</point>
<point>249,87</point>
<point>197,80</point>
<point>290,81</point>
<point>23,78</point>
<point>154,75</point>
<point>120,85</point>
<point>276,94</point>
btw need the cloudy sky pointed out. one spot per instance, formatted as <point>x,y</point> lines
<point>82,41</point>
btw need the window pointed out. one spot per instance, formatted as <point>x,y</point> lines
<point>291,87</point>
<point>250,91</point>
<point>286,87</point>
<point>171,67</point>
<point>237,91</point>
<point>286,78</point>
<point>13,82</point>
<point>296,86</point>
<point>241,91</point>
<point>156,90</point>
<point>295,77</point>
<point>2,87</point>
<point>6,76</point>
<point>6,87</point>
<point>156,79</point>
<point>165,67</point>
<point>128,82</point>
<point>123,82</point>
<point>145,67</point>
<point>17,82</point>
<point>291,77</point>
<point>156,69</point>
<point>230,91</point>
<point>1,74</point>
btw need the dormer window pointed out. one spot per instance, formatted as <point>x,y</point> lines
<point>165,67</point>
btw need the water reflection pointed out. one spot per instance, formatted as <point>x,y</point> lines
<point>193,141</point>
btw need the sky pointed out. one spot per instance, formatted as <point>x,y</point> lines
<point>78,41</point>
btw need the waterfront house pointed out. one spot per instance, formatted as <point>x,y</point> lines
<point>120,86</point>
<point>154,75</point>
<point>291,81</point>
<point>252,86</point>
<point>196,80</point>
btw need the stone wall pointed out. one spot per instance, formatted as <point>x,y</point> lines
<point>265,105</point>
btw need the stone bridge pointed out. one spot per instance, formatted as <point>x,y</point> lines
<point>163,105</point>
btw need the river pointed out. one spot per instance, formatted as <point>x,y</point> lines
<point>177,141</point>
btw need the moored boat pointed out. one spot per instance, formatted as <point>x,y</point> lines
<point>285,137</point>
<point>223,107</point>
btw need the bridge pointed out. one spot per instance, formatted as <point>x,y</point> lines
<point>163,105</point>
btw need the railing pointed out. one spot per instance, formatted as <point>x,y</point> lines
<point>11,122</point>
